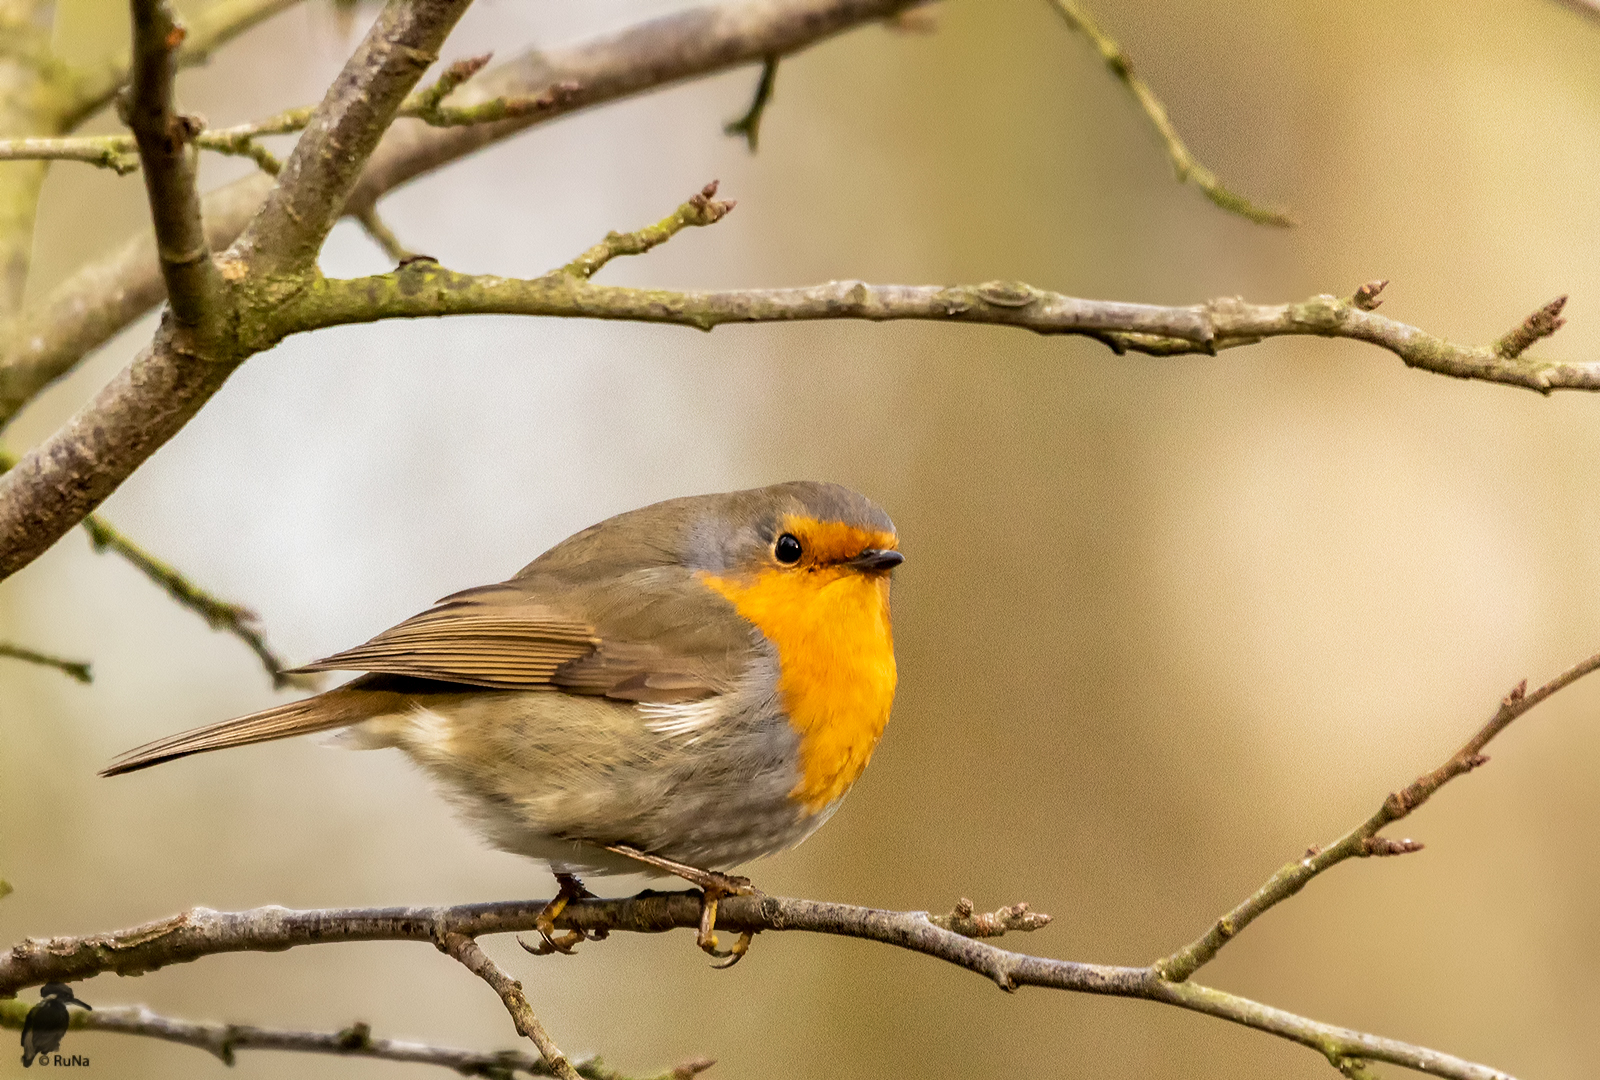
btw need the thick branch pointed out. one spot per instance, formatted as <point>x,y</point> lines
<point>201,932</point>
<point>1363,840</point>
<point>357,1040</point>
<point>90,307</point>
<point>1183,162</point>
<point>360,105</point>
<point>164,137</point>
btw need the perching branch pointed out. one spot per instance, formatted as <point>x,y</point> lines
<point>225,1040</point>
<point>1183,162</point>
<point>76,669</point>
<point>952,938</point>
<point>201,932</point>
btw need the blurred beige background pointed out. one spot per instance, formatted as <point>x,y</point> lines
<point>1164,623</point>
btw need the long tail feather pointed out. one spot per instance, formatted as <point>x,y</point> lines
<point>336,708</point>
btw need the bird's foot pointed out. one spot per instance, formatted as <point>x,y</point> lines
<point>569,888</point>
<point>713,887</point>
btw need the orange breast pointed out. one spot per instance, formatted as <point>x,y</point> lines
<point>836,666</point>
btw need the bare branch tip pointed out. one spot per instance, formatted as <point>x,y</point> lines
<point>1541,324</point>
<point>1366,297</point>
<point>1383,846</point>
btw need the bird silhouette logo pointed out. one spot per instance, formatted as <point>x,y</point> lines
<point>47,1021</point>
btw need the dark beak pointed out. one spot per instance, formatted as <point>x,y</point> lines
<point>876,561</point>
<point>85,1004</point>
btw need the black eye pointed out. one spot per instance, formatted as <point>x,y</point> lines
<point>787,549</point>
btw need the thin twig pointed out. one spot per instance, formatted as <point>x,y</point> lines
<point>105,296</point>
<point>76,669</point>
<point>357,1040</point>
<point>380,233</point>
<point>475,960</point>
<point>215,25</point>
<point>702,208</point>
<point>428,289</point>
<point>219,614</point>
<point>316,181</point>
<point>113,152</point>
<point>749,125</point>
<point>1363,840</point>
<point>1183,162</point>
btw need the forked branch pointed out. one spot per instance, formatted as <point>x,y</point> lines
<point>952,938</point>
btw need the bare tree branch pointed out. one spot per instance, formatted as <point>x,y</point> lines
<point>952,938</point>
<point>215,25</point>
<point>1590,8</point>
<point>225,1040</point>
<point>201,932</point>
<point>749,125</point>
<point>150,401</point>
<point>168,382</point>
<point>76,669</point>
<point>92,305</point>
<point>106,151</point>
<point>475,960</point>
<point>165,137</point>
<point>341,135</point>
<point>1183,163</point>
<point>219,614</point>
<point>1363,840</point>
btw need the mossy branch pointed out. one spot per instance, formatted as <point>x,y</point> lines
<point>1188,170</point>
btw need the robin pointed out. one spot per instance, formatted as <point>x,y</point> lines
<point>681,689</point>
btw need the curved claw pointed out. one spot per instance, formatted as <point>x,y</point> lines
<point>569,889</point>
<point>735,954</point>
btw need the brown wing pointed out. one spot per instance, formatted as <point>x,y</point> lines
<point>490,637</point>
<point>656,636</point>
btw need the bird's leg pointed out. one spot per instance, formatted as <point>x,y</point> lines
<point>568,889</point>
<point>713,887</point>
